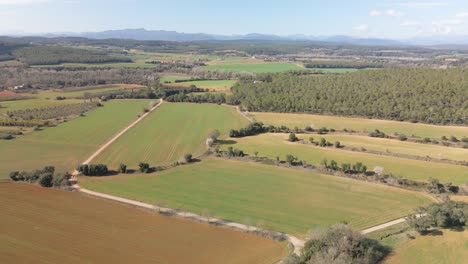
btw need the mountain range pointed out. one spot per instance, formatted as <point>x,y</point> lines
<point>164,35</point>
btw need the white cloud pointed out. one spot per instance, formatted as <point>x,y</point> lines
<point>394,13</point>
<point>448,22</point>
<point>361,28</point>
<point>21,2</point>
<point>422,5</point>
<point>461,15</point>
<point>72,2</point>
<point>375,13</point>
<point>410,24</point>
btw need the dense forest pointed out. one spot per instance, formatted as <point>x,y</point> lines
<point>416,95</point>
<point>47,55</point>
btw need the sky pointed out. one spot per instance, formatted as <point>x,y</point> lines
<point>363,18</point>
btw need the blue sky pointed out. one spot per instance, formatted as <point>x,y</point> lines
<point>365,18</point>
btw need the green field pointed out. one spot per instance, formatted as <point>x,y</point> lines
<point>333,70</point>
<point>273,145</point>
<point>137,64</point>
<point>69,143</point>
<point>169,132</point>
<point>172,79</point>
<point>395,146</point>
<point>360,124</point>
<point>449,248</point>
<point>217,85</point>
<point>254,67</point>
<point>33,103</point>
<point>283,199</point>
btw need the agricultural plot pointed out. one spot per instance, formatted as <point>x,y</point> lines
<point>281,199</point>
<point>171,79</point>
<point>395,146</point>
<point>451,248</point>
<point>216,85</point>
<point>166,135</point>
<point>41,225</point>
<point>137,64</point>
<point>254,67</point>
<point>276,145</point>
<point>68,144</point>
<point>33,103</point>
<point>360,124</point>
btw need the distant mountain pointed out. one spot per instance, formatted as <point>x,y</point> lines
<point>164,35</point>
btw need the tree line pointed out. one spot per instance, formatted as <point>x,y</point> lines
<point>45,177</point>
<point>416,95</point>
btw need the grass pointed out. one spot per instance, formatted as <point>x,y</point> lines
<point>171,79</point>
<point>137,64</point>
<point>451,247</point>
<point>273,145</point>
<point>68,144</point>
<point>171,131</point>
<point>395,146</point>
<point>333,70</point>
<point>40,225</point>
<point>393,235</point>
<point>216,85</point>
<point>282,199</point>
<point>360,124</point>
<point>254,67</point>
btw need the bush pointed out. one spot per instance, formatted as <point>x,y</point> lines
<point>402,138</point>
<point>188,158</point>
<point>337,144</point>
<point>377,133</point>
<point>93,169</point>
<point>292,137</point>
<point>122,168</point>
<point>449,214</point>
<point>46,180</point>
<point>144,167</point>
<point>290,159</point>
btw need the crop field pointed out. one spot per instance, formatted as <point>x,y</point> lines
<point>273,145</point>
<point>282,199</point>
<point>360,124</point>
<point>449,248</point>
<point>68,144</point>
<point>171,79</point>
<point>33,103</point>
<point>170,132</point>
<point>395,146</point>
<point>216,85</point>
<point>333,70</point>
<point>41,225</point>
<point>137,64</point>
<point>254,67</point>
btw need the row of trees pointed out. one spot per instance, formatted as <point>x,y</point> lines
<point>417,95</point>
<point>93,169</point>
<point>52,112</point>
<point>46,177</point>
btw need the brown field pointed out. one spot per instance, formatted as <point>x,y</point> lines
<point>39,225</point>
<point>459,198</point>
<point>8,93</point>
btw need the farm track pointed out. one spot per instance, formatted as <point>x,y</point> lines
<point>297,243</point>
<point>114,138</point>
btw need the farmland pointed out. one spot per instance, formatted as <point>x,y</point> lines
<point>239,191</point>
<point>451,247</point>
<point>395,146</point>
<point>273,145</point>
<point>359,124</point>
<point>170,132</point>
<point>33,103</point>
<point>51,226</point>
<point>68,144</point>
<point>216,85</point>
<point>254,67</point>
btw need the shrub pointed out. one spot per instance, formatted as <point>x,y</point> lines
<point>46,180</point>
<point>337,144</point>
<point>402,137</point>
<point>377,133</point>
<point>188,158</point>
<point>290,159</point>
<point>93,169</point>
<point>292,137</point>
<point>122,168</point>
<point>144,167</point>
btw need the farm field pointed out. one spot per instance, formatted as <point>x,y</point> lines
<point>333,70</point>
<point>33,103</point>
<point>217,85</point>
<point>171,79</point>
<point>283,199</point>
<point>69,143</point>
<point>169,133</point>
<point>273,145</point>
<point>359,124</point>
<point>254,67</point>
<point>36,228</point>
<point>451,248</point>
<point>395,146</point>
<point>71,94</point>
